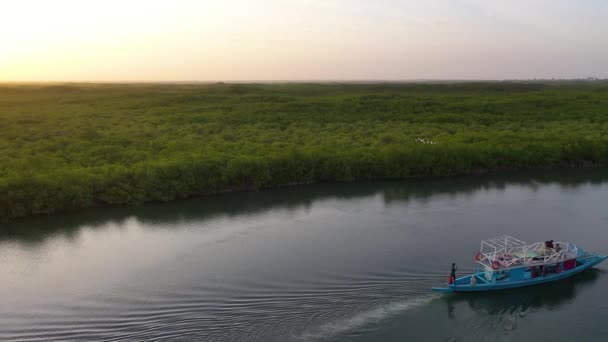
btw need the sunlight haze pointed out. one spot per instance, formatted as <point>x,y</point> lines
<point>182,40</point>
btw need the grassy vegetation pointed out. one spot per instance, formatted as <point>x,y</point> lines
<point>70,146</point>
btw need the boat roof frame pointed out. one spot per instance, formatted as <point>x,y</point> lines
<point>494,249</point>
<point>504,241</point>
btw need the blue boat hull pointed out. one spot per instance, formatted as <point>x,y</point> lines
<point>463,284</point>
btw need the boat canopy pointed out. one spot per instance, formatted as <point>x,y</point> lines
<point>508,252</point>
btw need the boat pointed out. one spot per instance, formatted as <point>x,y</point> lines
<point>505,262</point>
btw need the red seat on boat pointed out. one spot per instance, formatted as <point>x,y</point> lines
<point>569,264</point>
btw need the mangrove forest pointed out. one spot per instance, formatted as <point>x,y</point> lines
<point>70,146</point>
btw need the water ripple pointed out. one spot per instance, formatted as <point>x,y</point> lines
<point>255,309</point>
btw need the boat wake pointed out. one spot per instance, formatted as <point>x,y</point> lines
<point>363,318</point>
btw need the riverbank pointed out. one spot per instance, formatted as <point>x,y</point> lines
<point>65,147</point>
<point>315,262</point>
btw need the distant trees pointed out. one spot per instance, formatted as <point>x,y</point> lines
<point>68,147</point>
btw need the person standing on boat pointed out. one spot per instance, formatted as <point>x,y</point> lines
<point>453,272</point>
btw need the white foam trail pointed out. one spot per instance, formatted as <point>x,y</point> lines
<point>330,329</point>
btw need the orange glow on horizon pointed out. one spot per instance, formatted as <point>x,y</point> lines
<point>68,40</point>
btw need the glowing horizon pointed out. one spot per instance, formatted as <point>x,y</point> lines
<point>241,40</point>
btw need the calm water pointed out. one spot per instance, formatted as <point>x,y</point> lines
<point>348,262</point>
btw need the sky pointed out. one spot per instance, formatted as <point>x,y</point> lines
<point>298,40</point>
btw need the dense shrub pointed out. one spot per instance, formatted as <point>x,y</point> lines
<point>72,146</point>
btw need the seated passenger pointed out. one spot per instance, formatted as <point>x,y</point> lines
<point>557,247</point>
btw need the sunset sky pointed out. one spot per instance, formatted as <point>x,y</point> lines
<point>181,40</point>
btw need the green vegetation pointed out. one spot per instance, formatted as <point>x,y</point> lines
<point>70,146</point>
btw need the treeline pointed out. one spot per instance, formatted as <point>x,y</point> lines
<point>73,146</point>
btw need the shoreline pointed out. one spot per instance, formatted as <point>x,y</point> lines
<point>506,171</point>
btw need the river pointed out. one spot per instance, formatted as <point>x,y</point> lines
<point>327,262</point>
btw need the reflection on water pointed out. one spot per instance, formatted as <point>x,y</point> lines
<point>327,262</point>
<point>545,297</point>
<point>33,230</point>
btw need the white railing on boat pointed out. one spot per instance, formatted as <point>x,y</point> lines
<point>506,252</point>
